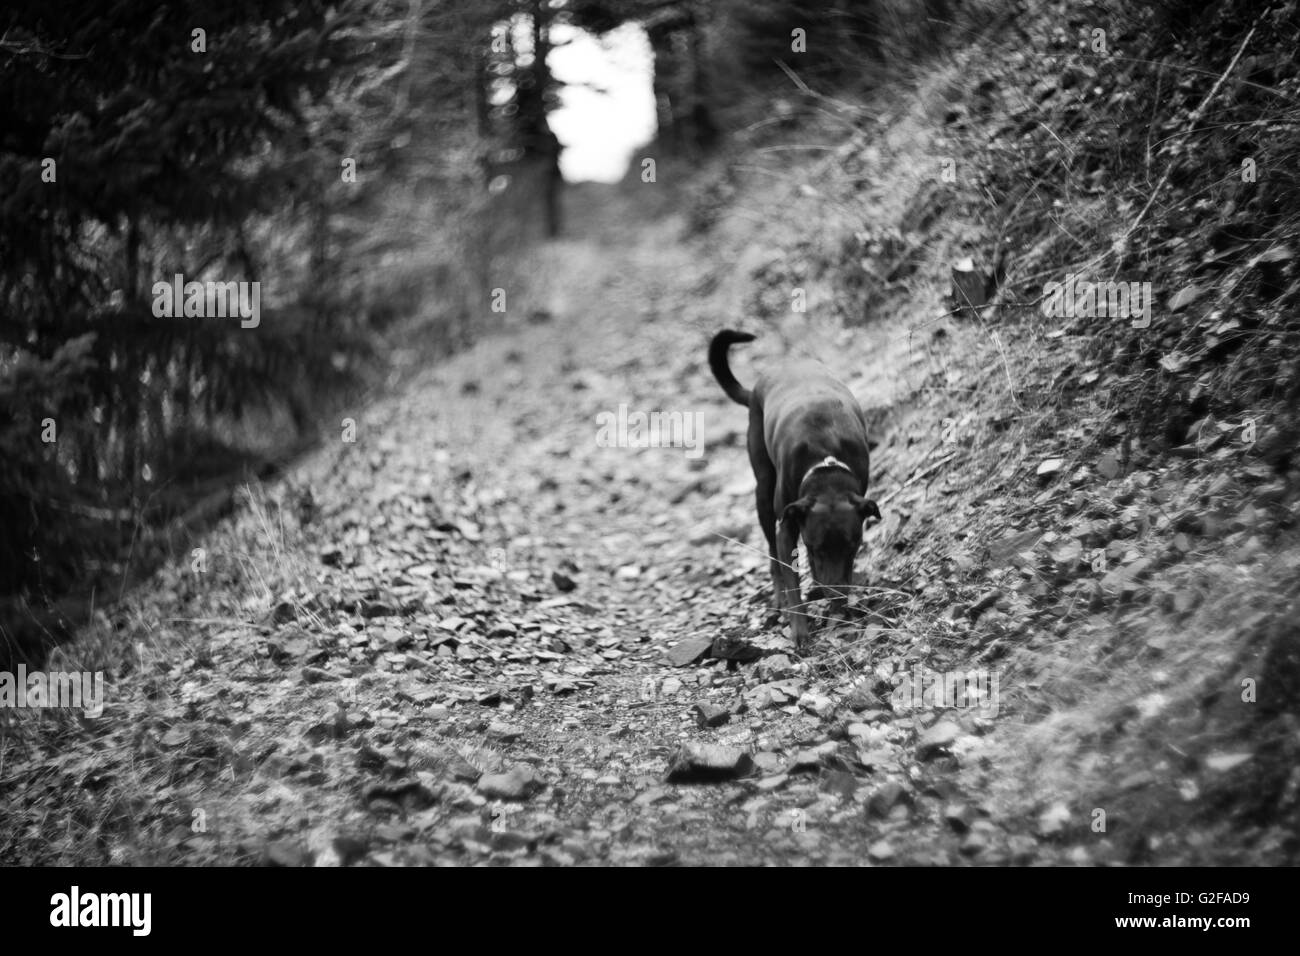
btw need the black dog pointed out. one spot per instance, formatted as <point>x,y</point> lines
<point>809,450</point>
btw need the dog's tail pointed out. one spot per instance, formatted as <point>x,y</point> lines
<point>721,370</point>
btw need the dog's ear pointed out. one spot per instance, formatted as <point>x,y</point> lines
<point>867,508</point>
<point>796,511</point>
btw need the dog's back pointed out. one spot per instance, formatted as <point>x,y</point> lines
<point>806,413</point>
<point>803,399</point>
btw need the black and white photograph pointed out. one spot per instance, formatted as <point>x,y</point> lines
<point>651,433</point>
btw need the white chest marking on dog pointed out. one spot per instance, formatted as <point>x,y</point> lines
<point>828,462</point>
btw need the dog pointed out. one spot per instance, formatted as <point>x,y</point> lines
<point>809,450</point>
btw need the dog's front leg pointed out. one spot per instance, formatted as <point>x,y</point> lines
<point>787,536</point>
<point>767,520</point>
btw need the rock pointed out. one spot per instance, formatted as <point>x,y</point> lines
<point>708,763</point>
<point>283,650</point>
<point>840,782</point>
<point>1096,599</point>
<point>1221,762</point>
<point>335,728</point>
<point>1054,819</point>
<point>768,762</point>
<point>805,761</point>
<point>286,853</point>
<point>520,783</point>
<point>974,844</point>
<point>1184,297</point>
<point>652,796</point>
<point>462,769</point>
<point>880,851</point>
<point>818,704</point>
<point>858,731</point>
<point>689,650</point>
<point>775,694</point>
<point>405,795</point>
<point>734,649</point>
<point>284,612</point>
<point>710,715</point>
<point>350,848</point>
<point>937,739</point>
<point>860,699</point>
<point>878,759</point>
<point>378,607</point>
<point>563,583</point>
<point>1123,581</point>
<point>772,668</point>
<point>1014,549</point>
<point>1023,848</point>
<point>1049,467</point>
<point>762,699</point>
<point>958,816</point>
<point>370,758</point>
<point>885,797</point>
<point>317,675</point>
<point>1068,554</point>
<point>503,732</point>
<point>1185,601</point>
<point>317,656</point>
<point>983,604</point>
<point>1138,780</point>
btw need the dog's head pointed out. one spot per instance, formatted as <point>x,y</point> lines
<point>831,528</point>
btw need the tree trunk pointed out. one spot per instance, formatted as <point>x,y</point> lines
<point>546,145</point>
<point>704,131</point>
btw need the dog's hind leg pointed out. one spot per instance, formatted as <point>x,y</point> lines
<point>764,492</point>
<point>767,519</point>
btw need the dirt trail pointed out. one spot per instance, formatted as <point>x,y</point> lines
<point>458,651</point>
<point>661,545</point>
